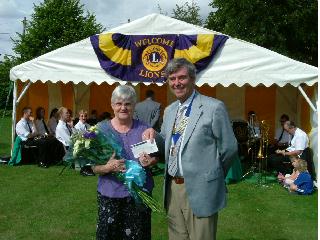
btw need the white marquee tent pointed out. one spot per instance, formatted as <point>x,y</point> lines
<point>238,63</point>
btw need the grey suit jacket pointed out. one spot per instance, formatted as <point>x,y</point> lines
<point>207,151</point>
<point>147,111</point>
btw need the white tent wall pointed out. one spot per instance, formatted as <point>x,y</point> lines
<point>55,98</point>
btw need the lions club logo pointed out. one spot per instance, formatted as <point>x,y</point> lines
<point>154,58</point>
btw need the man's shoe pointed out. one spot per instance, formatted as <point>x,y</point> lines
<point>86,172</point>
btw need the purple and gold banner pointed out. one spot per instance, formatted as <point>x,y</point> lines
<point>143,58</point>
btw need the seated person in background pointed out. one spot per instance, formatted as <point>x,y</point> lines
<point>303,184</point>
<point>26,130</point>
<point>40,123</point>
<point>93,119</point>
<point>253,134</point>
<point>63,130</point>
<point>282,137</point>
<point>70,120</point>
<point>297,146</point>
<point>82,126</point>
<point>288,179</point>
<point>253,125</point>
<point>53,121</point>
<point>105,116</point>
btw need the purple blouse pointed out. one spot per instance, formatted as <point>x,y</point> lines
<point>108,185</point>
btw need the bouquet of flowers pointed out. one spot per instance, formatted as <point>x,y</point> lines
<point>93,147</point>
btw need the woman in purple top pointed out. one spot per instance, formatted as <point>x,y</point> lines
<point>119,217</point>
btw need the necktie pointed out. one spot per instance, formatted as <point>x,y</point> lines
<point>30,130</point>
<point>45,126</point>
<point>179,127</point>
<point>70,132</point>
<point>281,135</point>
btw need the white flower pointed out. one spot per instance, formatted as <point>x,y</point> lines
<point>76,147</point>
<point>93,129</point>
<point>87,143</point>
<point>110,220</point>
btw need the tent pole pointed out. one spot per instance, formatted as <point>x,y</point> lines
<point>14,109</point>
<point>23,91</point>
<point>307,98</point>
<point>16,101</point>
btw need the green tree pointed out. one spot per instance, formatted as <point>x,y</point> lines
<point>288,27</point>
<point>188,13</point>
<point>54,24</point>
<point>5,66</point>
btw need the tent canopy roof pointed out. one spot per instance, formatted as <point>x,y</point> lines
<point>238,62</point>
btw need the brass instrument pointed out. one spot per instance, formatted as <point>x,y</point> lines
<point>264,140</point>
<point>263,151</point>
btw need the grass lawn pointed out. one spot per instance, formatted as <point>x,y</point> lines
<point>5,133</point>
<point>37,203</point>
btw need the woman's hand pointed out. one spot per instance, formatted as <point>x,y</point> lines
<point>146,160</point>
<point>115,165</point>
<point>112,166</point>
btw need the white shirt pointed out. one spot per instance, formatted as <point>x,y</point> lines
<point>40,127</point>
<point>299,141</point>
<point>285,136</point>
<point>23,130</point>
<point>52,125</point>
<point>63,133</point>
<point>186,104</point>
<point>80,126</point>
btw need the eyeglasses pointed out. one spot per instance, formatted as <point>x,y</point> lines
<point>120,104</point>
<point>179,78</point>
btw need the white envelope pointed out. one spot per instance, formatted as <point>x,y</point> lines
<point>144,146</point>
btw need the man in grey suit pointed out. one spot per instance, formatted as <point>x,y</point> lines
<point>199,146</point>
<point>148,111</point>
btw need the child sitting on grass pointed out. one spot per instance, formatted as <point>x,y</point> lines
<point>302,181</point>
<point>288,179</point>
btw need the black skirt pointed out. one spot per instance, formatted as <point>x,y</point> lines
<point>122,218</point>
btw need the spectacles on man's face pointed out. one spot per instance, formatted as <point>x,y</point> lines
<point>172,78</point>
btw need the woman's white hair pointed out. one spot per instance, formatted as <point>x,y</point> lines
<point>124,93</point>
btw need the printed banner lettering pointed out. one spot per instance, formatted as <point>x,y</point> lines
<point>143,58</point>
